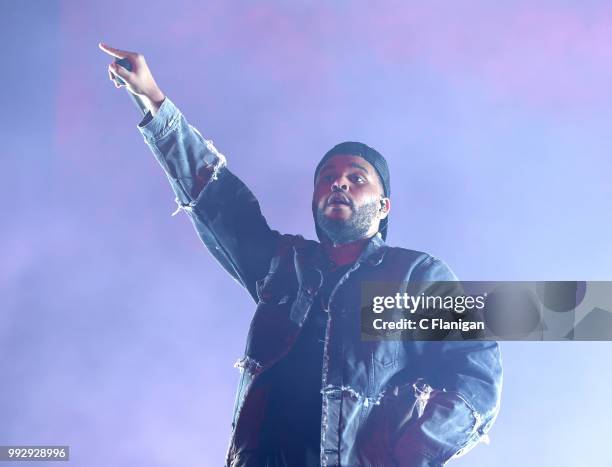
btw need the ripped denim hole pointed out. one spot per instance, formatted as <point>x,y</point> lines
<point>354,394</point>
<point>249,364</point>
<point>188,207</point>
<point>478,419</point>
<point>422,392</point>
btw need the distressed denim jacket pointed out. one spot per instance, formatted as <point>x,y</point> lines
<point>384,403</point>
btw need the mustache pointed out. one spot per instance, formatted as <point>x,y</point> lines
<point>339,198</point>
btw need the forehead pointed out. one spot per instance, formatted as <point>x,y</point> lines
<point>341,162</point>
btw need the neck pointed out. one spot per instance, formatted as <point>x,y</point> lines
<point>346,253</point>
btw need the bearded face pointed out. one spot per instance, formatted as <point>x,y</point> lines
<point>348,199</point>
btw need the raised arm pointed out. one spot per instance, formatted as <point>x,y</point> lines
<point>223,210</point>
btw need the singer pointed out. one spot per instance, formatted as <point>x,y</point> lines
<point>311,391</point>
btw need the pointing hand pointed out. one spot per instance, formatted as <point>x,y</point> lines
<point>139,81</point>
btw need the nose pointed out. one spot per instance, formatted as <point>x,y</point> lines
<point>338,185</point>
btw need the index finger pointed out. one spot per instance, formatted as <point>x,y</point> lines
<point>114,52</point>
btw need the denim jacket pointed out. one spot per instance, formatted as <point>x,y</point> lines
<point>384,403</point>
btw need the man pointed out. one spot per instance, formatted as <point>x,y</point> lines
<point>312,392</point>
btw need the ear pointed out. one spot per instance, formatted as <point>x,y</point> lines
<point>385,207</point>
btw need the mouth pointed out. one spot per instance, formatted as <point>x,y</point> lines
<point>338,199</point>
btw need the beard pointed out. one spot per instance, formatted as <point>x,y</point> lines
<point>356,227</point>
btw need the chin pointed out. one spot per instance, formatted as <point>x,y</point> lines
<point>338,220</point>
<point>338,213</point>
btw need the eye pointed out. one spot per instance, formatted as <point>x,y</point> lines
<point>357,178</point>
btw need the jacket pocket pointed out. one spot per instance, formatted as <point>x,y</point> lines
<point>384,353</point>
<point>272,290</point>
<point>401,408</point>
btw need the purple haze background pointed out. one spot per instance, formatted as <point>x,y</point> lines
<point>118,330</point>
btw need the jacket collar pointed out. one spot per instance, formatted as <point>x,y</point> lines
<point>374,252</point>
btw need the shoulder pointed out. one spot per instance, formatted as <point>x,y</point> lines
<point>297,241</point>
<point>419,265</point>
<point>290,244</point>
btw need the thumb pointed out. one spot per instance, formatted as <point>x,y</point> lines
<point>118,70</point>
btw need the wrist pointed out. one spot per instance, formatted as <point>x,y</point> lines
<point>154,100</point>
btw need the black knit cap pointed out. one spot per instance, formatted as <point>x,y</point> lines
<point>371,155</point>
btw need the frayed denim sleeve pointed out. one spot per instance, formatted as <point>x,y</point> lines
<point>462,381</point>
<point>224,212</point>
<point>189,160</point>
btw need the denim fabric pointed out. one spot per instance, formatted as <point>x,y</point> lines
<point>384,403</point>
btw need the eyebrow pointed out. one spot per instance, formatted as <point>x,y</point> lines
<point>352,164</point>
